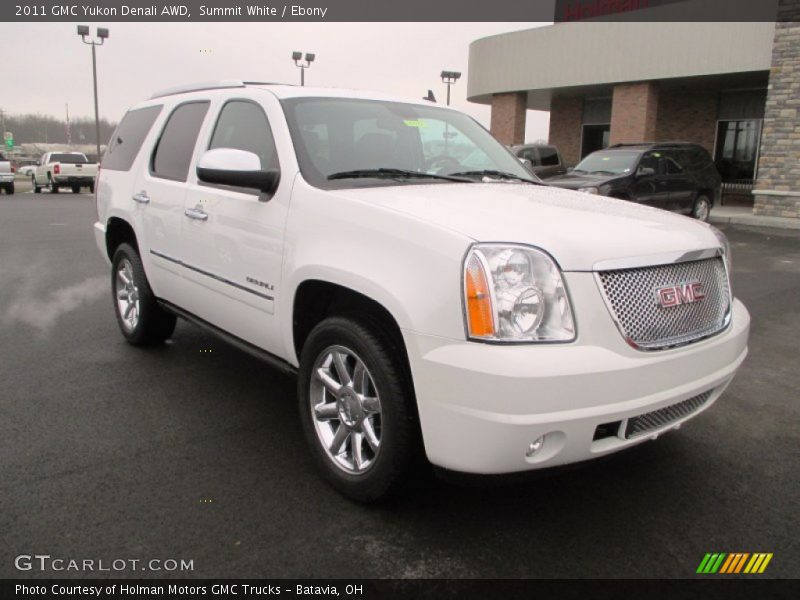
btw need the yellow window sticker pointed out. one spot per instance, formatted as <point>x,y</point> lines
<point>413,123</point>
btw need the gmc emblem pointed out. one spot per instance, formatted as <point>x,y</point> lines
<point>682,293</point>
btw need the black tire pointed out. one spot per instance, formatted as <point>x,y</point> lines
<point>76,189</point>
<point>91,188</point>
<point>154,325</point>
<point>10,188</point>
<point>52,185</point>
<point>701,209</point>
<point>37,189</point>
<point>399,439</point>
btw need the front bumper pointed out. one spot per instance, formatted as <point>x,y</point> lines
<point>482,405</point>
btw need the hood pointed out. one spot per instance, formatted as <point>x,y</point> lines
<point>573,181</point>
<point>577,229</point>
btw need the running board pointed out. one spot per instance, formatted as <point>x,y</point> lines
<point>231,339</point>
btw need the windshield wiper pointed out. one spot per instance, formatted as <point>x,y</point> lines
<point>496,174</point>
<point>395,173</point>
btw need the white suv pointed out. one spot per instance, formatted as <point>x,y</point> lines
<point>496,323</point>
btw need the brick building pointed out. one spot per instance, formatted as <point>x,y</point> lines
<point>733,87</point>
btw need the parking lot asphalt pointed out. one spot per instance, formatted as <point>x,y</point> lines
<point>194,450</point>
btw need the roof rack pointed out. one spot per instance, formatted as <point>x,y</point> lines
<point>197,87</point>
<point>210,85</point>
<point>650,143</point>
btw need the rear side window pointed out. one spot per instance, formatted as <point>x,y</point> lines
<point>128,138</point>
<point>243,125</point>
<point>548,156</point>
<point>173,154</point>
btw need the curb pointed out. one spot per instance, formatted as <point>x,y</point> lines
<point>756,221</point>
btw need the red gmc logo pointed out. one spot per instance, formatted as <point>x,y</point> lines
<point>682,293</point>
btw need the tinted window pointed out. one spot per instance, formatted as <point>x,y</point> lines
<point>548,156</point>
<point>650,161</point>
<point>674,161</point>
<point>174,150</point>
<point>243,125</point>
<point>70,159</point>
<point>128,138</point>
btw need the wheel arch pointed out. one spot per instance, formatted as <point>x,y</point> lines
<point>119,231</point>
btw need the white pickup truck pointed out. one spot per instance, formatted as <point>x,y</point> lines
<point>6,175</point>
<point>427,302</point>
<point>64,169</point>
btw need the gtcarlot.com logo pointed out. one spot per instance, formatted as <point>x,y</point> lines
<point>734,563</point>
<point>45,562</point>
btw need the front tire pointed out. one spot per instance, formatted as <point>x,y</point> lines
<point>701,210</point>
<point>76,189</point>
<point>142,321</point>
<point>356,409</point>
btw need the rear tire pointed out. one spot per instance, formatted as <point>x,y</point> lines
<point>361,426</point>
<point>701,210</point>
<point>142,321</point>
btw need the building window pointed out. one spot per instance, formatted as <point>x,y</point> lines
<point>595,137</point>
<point>737,148</point>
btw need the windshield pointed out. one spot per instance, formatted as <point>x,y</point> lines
<point>72,159</point>
<point>613,162</point>
<point>340,141</point>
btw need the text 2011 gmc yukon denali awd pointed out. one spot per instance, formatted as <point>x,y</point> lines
<point>425,300</point>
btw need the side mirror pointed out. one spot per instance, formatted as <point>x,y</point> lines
<point>526,162</point>
<point>38,163</point>
<point>569,169</point>
<point>645,171</point>
<point>238,168</point>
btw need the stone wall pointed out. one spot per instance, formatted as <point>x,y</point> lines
<point>566,116</point>
<point>779,155</point>
<point>508,117</point>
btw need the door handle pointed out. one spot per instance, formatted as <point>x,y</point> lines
<point>196,213</point>
<point>141,197</point>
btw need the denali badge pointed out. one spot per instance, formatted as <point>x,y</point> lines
<point>682,293</point>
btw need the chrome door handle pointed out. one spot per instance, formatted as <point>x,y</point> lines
<point>141,197</point>
<point>196,213</point>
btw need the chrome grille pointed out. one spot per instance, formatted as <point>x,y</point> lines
<point>664,416</point>
<point>631,296</point>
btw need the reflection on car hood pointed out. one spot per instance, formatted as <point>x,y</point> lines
<point>578,229</point>
<point>573,181</point>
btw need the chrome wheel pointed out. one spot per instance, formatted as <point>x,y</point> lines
<point>702,208</point>
<point>346,410</point>
<point>127,295</point>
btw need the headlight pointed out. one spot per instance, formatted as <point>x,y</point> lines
<point>589,190</point>
<point>515,294</point>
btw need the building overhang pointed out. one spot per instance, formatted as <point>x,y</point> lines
<point>588,58</point>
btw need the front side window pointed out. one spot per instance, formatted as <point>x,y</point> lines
<point>338,136</point>
<point>242,125</point>
<point>173,154</point>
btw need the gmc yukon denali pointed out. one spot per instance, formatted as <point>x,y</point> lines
<point>430,295</point>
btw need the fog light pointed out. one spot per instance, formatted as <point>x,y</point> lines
<point>534,447</point>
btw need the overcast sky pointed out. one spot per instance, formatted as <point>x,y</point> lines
<point>46,66</point>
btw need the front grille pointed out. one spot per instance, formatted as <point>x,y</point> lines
<point>645,323</point>
<point>664,416</point>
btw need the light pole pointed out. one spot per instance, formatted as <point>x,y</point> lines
<point>102,35</point>
<point>449,78</point>
<point>297,57</point>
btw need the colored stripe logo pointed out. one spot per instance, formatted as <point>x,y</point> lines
<point>734,563</point>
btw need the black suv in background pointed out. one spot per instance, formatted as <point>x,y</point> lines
<point>675,176</point>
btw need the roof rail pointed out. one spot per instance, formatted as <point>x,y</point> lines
<point>197,87</point>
